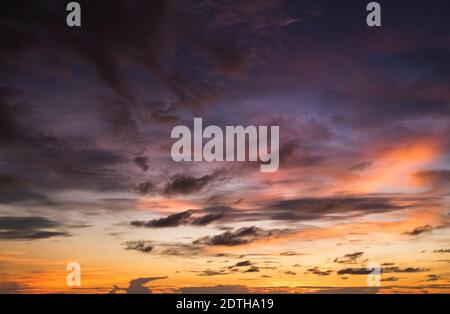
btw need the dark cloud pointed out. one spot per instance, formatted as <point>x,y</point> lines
<point>178,219</point>
<point>420,230</point>
<point>164,114</point>
<point>185,184</point>
<point>239,236</point>
<point>15,190</point>
<point>30,228</point>
<point>11,130</point>
<point>136,27</point>
<point>354,271</point>
<point>316,271</point>
<point>141,162</point>
<point>391,269</point>
<point>442,251</point>
<point>209,273</point>
<point>389,279</point>
<point>137,286</point>
<point>48,163</point>
<point>395,269</point>
<point>145,188</point>
<point>350,258</point>
<point>163,248</point>
<point>173,220</point>
<point>206,219</point>
<point>242,263</point>
<point>328,208</point>
<point>432,277</point>
<point>141,246</point>
<point>252,269</point>
<point>361,166</point>
<point>180,249</point>
<point>293,154</point>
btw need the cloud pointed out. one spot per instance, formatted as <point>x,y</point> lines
<point>327,207</point>
<point>137,28</point>
<point>361,166</point>
<point>178,219</point>
<point>442,251</point>
<point>395,269</point>
<point>163,113</point>
<point>316,271</point>
<point>15,190</point>
<point>432,277</point>
<point>140,245</point>
<point>11,130</point>
<point>47,163</point>
<point>435,178</point>
<point>185,184</point>
<point>173,220</point>
<point>145,187</point>
<point>206,219</point>
<point>389,279</point>
<point>163,248</point>
<point>420,230</point>
<point>252,269</point>
<point>350,258</point>
<point>141,162</point>
<point>391,269</point>
<point>242,264</point>
<point>29,228</point>
<point>239,236</point>
<point>209,272</point>
<point>354,271</point>
<point>137,286</point>
<point>12,288</point>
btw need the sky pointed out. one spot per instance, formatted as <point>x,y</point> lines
<point>86,173</point>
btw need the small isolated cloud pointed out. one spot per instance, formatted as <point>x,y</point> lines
<point>140,245</point>
<point>389,279</point>
<point>432,277</point>
<point>316,271</point>
<point>419,230</point>
<point>209,272</point>
<point>243,263</point>
<point>442,251</point>
<point>351,258</point>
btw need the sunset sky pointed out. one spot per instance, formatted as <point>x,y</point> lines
<point>86,173</point>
